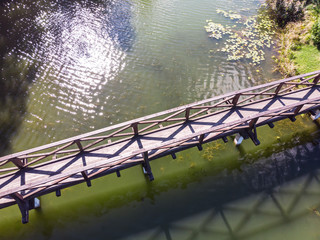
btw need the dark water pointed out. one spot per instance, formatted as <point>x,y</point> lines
<point>68,67</point>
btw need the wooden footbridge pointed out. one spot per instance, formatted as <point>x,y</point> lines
<point>26,175</point>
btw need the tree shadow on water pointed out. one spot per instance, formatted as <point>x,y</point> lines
<point>16,73</point>
<point>23,46</point>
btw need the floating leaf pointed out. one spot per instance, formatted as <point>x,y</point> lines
<point>249,42</point>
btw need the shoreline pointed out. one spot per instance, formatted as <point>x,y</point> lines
<point>295,53</point>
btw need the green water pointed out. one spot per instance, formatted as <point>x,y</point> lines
<point>72,66</point>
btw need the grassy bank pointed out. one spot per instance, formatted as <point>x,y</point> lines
<point>297,53</point>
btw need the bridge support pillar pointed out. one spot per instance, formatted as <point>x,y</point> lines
<point>25,206</point>
<point>315,115</point>
<point>271,125</point>
<point>253,135</point>
<point>146,167</point>
<point>34,203</point>
<point>173,155</point>
<point>238,139</point>
<point>58,193</point>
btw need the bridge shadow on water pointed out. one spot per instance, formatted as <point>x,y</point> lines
<point>242,203</point>
<point>246,201</point>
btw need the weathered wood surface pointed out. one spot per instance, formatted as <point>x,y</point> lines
<point>48,168</point>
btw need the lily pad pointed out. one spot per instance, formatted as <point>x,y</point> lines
<point>247,41</point>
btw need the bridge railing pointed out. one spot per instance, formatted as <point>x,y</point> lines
<point>110,135</point>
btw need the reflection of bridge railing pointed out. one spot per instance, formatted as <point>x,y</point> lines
<point>265,197</point>
<point>51,167</point>
<point>256,214</point>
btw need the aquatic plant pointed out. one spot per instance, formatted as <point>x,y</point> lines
<point>231,14</point>
<point>247,39</point>
<point>216,30</point>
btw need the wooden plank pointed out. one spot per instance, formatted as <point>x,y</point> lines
<point>90,134</point>
<point>135,153</point>
<point>245,116</point>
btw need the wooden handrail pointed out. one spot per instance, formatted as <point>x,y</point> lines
<point>137,155</point>
<point>117,130</point>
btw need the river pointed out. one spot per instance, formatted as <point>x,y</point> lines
<point>69,67</point>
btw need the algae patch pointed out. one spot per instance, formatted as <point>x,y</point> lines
<point>247,38</point>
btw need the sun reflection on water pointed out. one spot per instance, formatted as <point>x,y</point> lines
<point>79,49</point>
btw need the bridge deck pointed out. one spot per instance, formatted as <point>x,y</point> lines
<point>232,115</point>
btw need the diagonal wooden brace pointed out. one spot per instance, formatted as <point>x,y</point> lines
<point>18,162</point>
<point>146,166</point>
<point>253,122</point>
<point>297,109</point>
<point>316,79</point>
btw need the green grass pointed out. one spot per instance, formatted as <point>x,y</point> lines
<point>307,59</point>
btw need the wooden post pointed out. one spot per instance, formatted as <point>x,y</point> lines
<point>271,125</point>
<point>253,135</point>
<point>85,176</point>
<point>225,139</point>
<point>146,166</point>
<point>58,192</point>
<point>278,88</point>
<point>135,128</point>
<point>187,114</point>
<point>316,79</point>
<point>201,137</point>
<point>252,131</point>
<point>79,145</point>
<point>292,118</point>
<point>173,155</point>
<point>24,206</point>
<point>235,99</point>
